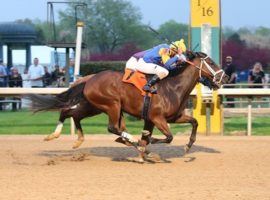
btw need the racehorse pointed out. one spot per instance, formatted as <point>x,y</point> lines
<point>83,110</point>
<point>107,93</point>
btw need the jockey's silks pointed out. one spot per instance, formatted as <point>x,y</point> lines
<point>160,55</point>
<point>140,54</point>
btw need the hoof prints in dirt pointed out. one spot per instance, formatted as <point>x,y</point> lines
<point>16,159</point>
<point>75,156</point>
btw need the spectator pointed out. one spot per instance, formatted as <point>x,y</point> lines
<point>230,70</point>
<point>3,75</point>
<point>47,78</point>
<point>15,80</point>
<point>26,82</point>
<point>71,70</point>
<point>57,75</point>
<point>256,75</point>
<point>6,79</point>
<point>35,74</point>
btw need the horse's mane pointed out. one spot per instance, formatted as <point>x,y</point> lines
<point>190,57</point>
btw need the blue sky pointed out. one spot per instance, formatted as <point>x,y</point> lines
<point>235,13</point>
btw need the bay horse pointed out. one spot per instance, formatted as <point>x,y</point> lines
<point>83,110</point>
<point>106,92</point>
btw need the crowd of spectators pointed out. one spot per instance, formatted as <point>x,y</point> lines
<point>35,76</point>
<point>256,77</point>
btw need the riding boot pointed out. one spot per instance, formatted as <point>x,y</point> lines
<point>151,82</point>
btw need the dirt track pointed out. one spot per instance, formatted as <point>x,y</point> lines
<point>216,168</point>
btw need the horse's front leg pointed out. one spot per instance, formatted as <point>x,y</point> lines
<point>188,119</point>
<point>147,133</point>
<point>145,140</point>
<point>161,123</point>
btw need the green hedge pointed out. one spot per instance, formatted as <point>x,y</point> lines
<point>95,67</point>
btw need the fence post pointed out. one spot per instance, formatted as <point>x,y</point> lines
<point>216,120</point>
<point>249,122</point>
<point>80,26</point>
<point>199,110</point>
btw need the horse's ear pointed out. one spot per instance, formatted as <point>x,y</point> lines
<point>190,55</point>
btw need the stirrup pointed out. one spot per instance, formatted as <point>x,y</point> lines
<point>148,88</point>
<point>153,90</point>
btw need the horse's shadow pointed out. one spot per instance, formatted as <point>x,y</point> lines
<point>122,153</point>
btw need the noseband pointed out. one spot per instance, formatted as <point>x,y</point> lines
<point>213,73</point>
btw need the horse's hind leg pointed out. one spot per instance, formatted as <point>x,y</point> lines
<point>63,115</point>
<point>80,134</point>
<point>81,112</point>
<point>194,123</point>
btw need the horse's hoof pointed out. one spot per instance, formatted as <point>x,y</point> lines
<point>77,144</point>
<point>122,141</point>
<point>51,136</point>
<point>136,160</point>
<point>152,157</point>
<point>186,149</point>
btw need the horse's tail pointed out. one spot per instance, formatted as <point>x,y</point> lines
<point>65,99</point>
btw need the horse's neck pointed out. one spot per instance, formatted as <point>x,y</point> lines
<point>180,87</point>
<point>187,80</point>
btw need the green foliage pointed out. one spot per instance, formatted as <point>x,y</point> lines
<point>109,24</point>
<point>236,38</point>
<point>252,37</point>
<point>174,31</point>
<point>43,31</point>
<point>95,67</point>
<point>263,31</point>
<point>41,28</point>
<point>227,32</point>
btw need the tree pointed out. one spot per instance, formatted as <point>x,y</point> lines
<point>109,24</point>
<point>40,27</point>
<point>174,31</point>
<point>262,31</point>
<point>227,32</point>
<point>236,38</point>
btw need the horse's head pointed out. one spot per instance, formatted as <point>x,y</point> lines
<point>207,68</point>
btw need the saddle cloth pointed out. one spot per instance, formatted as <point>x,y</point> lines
<point>137,79</point>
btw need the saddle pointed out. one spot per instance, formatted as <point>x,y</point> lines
<point>136,78</point>
<point>139,79</point>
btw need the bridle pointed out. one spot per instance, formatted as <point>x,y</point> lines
<point>213,73</point>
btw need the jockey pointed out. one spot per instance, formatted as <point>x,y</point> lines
<point>158,61</point>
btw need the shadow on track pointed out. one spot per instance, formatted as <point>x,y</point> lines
<point>120,154</point>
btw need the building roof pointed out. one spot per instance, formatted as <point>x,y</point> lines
<point>17,33</point>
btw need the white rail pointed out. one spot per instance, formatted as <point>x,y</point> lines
<point>232,92</point>
<point>22,91</point>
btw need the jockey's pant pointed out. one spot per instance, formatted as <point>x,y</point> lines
<point>132,63</point>
<point>151,68</point>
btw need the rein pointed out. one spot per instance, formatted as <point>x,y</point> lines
<point>214,73</point>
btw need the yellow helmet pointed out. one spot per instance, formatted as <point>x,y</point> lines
<point>180,44</point>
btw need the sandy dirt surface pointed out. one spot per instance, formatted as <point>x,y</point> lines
<point>216,168</point>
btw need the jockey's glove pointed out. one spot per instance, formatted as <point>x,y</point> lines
<point>181,57</point>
